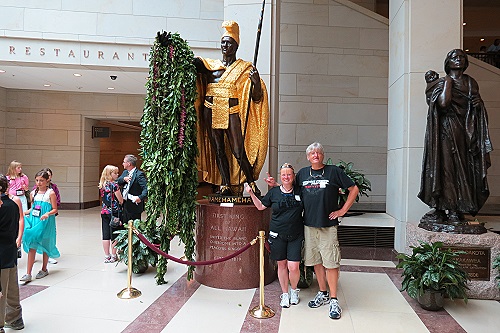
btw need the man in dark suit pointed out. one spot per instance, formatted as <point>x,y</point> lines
<point>135,189</point>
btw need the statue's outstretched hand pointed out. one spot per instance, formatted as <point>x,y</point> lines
<point>164,38</point>
<point>248,188</point>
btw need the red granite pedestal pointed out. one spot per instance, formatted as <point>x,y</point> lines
<point>221,231</point>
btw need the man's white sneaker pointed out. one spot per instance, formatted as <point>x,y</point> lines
<point>335,309</point>
<point>285,300</point>
<point>319,300</point>
<point>294,296</point>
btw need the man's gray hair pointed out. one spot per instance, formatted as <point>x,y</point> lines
<point>315,146</point>
<point>131,159</point>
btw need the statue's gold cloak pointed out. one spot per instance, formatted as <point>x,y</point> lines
<point>234,83</point>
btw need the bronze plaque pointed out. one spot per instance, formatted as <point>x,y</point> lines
<point>476,261</point>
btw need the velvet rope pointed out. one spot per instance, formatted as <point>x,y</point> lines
<point>190,263</point>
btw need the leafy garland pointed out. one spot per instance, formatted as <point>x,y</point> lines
<point>168,146</point>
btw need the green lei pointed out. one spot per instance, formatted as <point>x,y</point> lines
<point>169,148</point>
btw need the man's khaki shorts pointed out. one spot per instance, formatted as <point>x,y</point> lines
<point>321,246</point>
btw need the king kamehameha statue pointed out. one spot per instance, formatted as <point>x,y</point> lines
<point>233,115</point>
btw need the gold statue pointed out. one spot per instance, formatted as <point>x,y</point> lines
<point>224,88</point>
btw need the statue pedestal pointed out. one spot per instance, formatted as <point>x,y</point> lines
<point>480,289</point>
<point>221,231</point>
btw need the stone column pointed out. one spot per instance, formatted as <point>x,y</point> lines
<point>420,35</point>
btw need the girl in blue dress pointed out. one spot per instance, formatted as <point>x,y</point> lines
<point>40,226</point>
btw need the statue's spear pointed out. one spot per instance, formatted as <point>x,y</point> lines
<point>255,55</point>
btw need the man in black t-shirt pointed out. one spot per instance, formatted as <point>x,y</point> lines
<point>319,184</point>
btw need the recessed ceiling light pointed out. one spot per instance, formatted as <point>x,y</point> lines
<point>2,71</point>
<point>111,88</point>
<point>465,23</point>
<point>77,75</point>
<point>482,39</point>
<point>46,85</point>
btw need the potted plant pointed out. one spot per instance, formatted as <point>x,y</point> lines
<point>363,184</point>
<point>496,264</point>
<point>142,256</point>
<point>432,272</point>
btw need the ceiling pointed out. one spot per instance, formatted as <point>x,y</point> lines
<point>62,78</point>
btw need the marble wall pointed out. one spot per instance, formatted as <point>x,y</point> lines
<point>333,86</point>
<point>53,129</point>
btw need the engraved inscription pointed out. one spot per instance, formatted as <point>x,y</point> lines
<point>475,261</point>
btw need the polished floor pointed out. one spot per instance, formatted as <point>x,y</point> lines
<point>80,295</point>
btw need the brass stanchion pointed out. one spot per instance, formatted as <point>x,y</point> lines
<point>261,311</point>
<point>129,292</point>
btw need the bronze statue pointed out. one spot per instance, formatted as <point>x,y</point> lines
<point>457,145</point>
<point>224,89</point>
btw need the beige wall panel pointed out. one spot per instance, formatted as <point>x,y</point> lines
<point>171,8</point>
<point>12,18</point>
<point>303,63</point>
<point>375,39</point>
<point>322,85</point>
<point>288,34</point>
<point>344,135</point>
<point>72,174</point>
<point>67,158</point>
<point>131,103</point>
<point>129,25</point>
<point>313,113</point>
<point>43,138</point>
<point>195,29</point>
<point>23,118</point>
<point>286,134</point>
<point>337,36</point>
<point>26,157</point>
<point>212,9</point>
<point>362,114</point>
<point>304,14</point>
<point>342,16</point>
<point>61,122</point>
<point>375,87</point>
<point>74,138</point>
<point>69,194</point>
<point>358,65</point>
<point>288,84</point>
<point>64,22</point>
<point>109,6</point>
<point>371,163</point>
<point>372,136</point>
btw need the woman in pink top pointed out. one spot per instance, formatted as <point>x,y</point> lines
<point>18,182</point>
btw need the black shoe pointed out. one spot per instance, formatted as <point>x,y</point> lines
<point>16,325</point>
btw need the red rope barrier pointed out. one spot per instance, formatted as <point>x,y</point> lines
<point>189,263</point>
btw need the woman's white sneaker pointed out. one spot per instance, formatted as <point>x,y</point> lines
<point>285,300</point>
<point>294,296</point>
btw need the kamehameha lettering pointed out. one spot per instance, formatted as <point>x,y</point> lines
<point>315,183</point>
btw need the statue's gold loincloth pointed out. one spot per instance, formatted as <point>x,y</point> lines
<point>221,93</point>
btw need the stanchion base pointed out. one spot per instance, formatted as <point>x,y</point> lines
<point>129,293</point>
<point>259,312</point>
